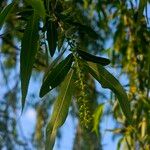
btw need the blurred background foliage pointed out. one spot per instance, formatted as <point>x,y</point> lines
<point>122,32</point>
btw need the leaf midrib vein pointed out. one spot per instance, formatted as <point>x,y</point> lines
<point>61,104</point>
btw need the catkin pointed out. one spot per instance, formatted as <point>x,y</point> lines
<point>82,96</point>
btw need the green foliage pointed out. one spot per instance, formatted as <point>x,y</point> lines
<point>38,6</point>
<point>56,75</point>
<point>85,101</point>
<point>84,104</point>
<point>82,28</point>
<point>29,47</point>
<point>92,58</point>
<point>119,143</point>
<point>97,117</point>
<point>52,36</point>
<point>60,110</point>
<point>5,13</point>
<point>107,80</point>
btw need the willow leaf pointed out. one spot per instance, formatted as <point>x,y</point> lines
<point>5,13</point>
<point>107,80</point>
<point>56,75</point>
<point>52,37</point>
<point>60,111</point>
<point>53,64</point>
<point>38,6</point>
<point>88,57</point>
<point>120,142</point>
<point>97,117</point>
<point>29,47</point>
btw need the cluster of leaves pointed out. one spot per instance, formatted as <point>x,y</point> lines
<point>131,50</point>
<point>50,26</point>
<point>55,19</point>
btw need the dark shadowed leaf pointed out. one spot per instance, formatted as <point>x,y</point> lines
<point>92,58</point>
<point>5,12</point>
<point>53,64</point>
<point>52,37</point>
<point>60,111</point>
<point>25,13</point>
<point>87,30</point>
<point>84,29</point>
<point>107,80</point>
<point>38,6</point>
<point>29,47</point>
<point>142,5</point>
<point>57,75</point>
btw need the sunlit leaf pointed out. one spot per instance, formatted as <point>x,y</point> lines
<point>60,111</point>
<point>29,47</point>
<point>57,75</point>
<point>97,117</point>
<point>92,58</point>
<point>116,130</point>
<point>107,80</point>
<point>143,128</point>
<point>5,13</point>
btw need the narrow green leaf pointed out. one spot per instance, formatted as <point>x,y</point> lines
<point>116,130</point>
<point>57,75</point>
<point>38,6</point>
<point>5,13</point>
<point>121,140</point>
<point>107,80</point>
<point>52,37</point>
<point>92,58</point>
<point>97,117</point>
<point>60,111</point>
<point>29,47</point>
<point>53,64</point>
